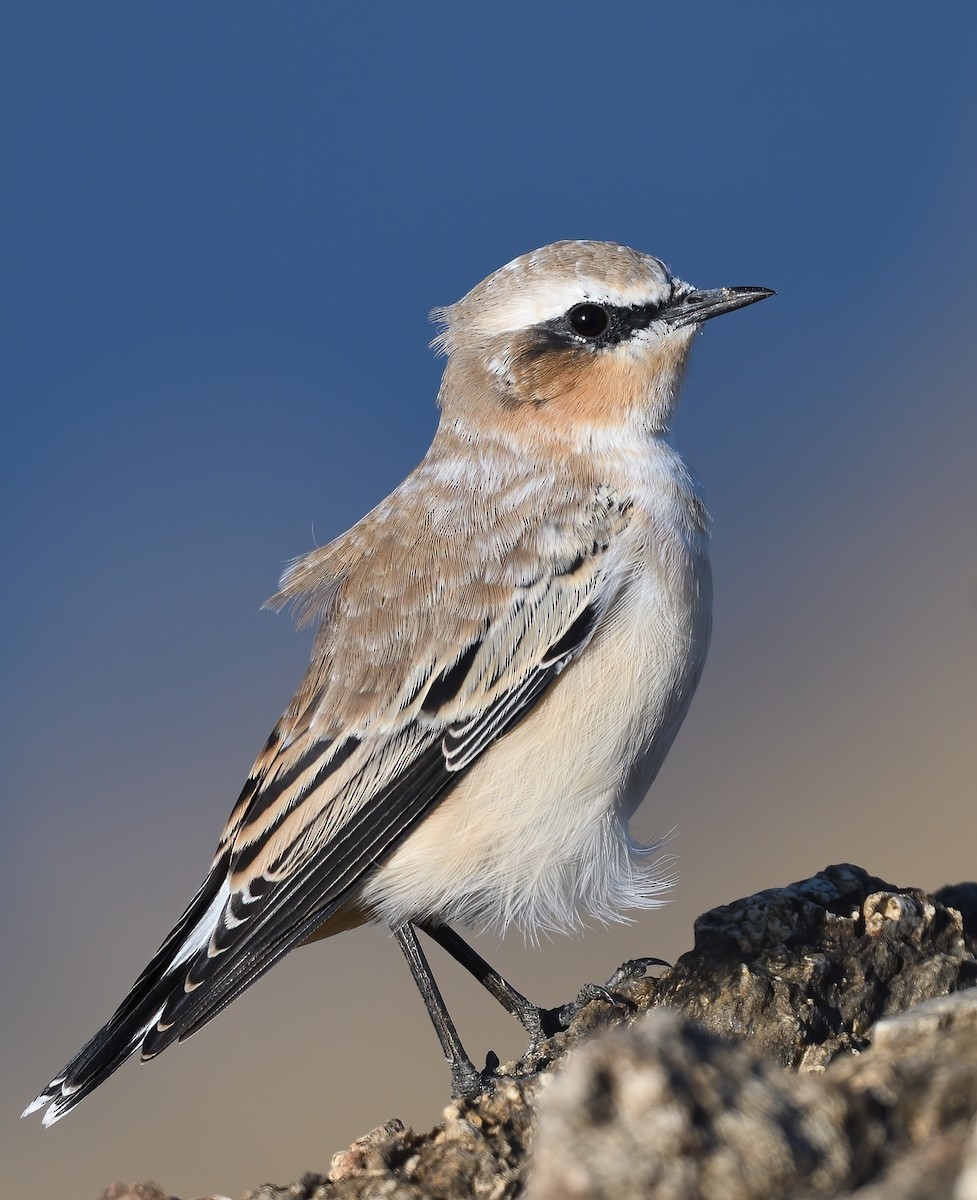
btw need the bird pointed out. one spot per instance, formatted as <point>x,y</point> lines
<point>506,647</point>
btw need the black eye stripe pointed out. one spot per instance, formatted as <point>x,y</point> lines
<point>620,323</point>
<point>605,324</point>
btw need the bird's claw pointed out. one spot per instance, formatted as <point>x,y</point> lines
<point>633,969</point>
<point>589,992</point>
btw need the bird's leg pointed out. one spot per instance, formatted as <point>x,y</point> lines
<point>538,1022</point>
<point>466,1080</point>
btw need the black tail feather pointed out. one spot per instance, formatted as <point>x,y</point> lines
<point>125,1031</point>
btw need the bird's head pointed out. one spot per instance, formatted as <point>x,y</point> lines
<point>573,339</point>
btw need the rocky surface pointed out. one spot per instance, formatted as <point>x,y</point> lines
<point>819,1040</point>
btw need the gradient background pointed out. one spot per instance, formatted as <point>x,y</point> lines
<point>223,226</point>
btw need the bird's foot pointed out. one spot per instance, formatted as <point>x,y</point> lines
<point>633,970</point>
<point>468,1083</point>
<point>557,1020</point>
<point>587,994</point>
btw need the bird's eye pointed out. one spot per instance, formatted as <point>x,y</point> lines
<point>588,320</point>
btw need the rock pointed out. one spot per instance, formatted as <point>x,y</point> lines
<point>135,1191</point>
<point>818,1040</point>
<point>143,1191</point>
<point>665,1108</point>
<point>804,972</point>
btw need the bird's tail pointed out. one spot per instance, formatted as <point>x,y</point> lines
<point>140,1012</point>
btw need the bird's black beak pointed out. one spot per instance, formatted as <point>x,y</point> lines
<point>695,307</point>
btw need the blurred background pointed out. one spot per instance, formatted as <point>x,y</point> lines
<point>223,227</point>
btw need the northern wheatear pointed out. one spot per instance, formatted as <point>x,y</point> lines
<point>507,646</point>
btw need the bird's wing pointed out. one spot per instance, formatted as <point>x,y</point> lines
<point>371,742</point>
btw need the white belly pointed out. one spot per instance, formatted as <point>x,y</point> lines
<point>536,833</point>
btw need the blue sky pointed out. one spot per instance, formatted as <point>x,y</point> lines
<point>224,226</point>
